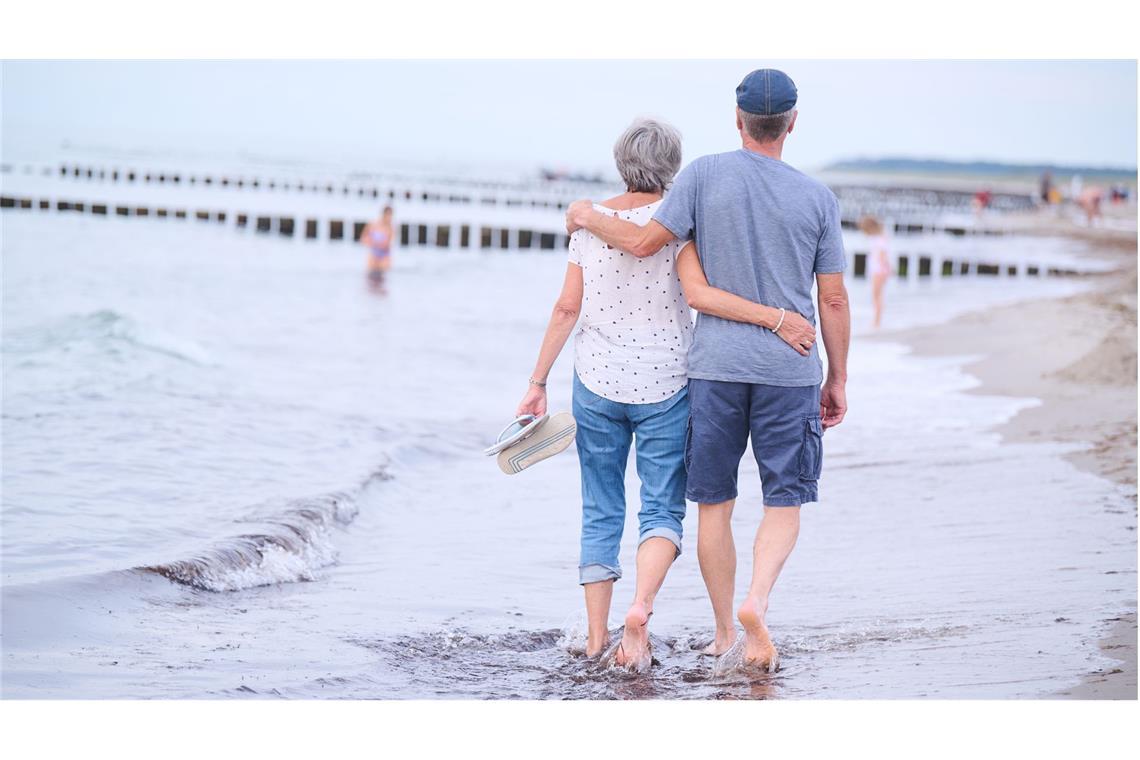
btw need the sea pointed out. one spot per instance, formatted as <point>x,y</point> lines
<point>234,467</point>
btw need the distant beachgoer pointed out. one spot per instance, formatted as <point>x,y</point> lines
<point>1089,200</point>
<point>631,385</point>
<point>1046,186</point>
<point>982,200</point>
<point>1076,184</point>
<point>878,262</point>
<point>377,237</point>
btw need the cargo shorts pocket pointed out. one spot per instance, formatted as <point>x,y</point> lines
<point>689,444</point>
<point>811,453</point>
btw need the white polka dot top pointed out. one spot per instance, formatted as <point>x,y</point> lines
<point>635,327</point>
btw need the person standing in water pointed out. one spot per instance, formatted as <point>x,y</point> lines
<point>377,237</point>
<point>878,263</point>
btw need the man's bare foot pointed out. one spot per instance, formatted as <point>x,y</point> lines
<point>634,650</point>
<point>721,644</point>
<point>758,649</point>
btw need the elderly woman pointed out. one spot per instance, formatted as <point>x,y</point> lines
<point>630,382</point>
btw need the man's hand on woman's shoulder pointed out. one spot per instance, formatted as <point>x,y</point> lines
<point>576,215</point>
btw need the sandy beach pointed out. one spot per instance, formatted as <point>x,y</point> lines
<point>1077,355</point>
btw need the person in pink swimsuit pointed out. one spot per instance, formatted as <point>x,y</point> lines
<point>377,237</point>
<point>878,262</point>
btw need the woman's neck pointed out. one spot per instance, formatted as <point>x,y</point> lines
<point>631,199</point>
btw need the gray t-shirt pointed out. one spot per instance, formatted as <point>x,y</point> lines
<point>763,230</point>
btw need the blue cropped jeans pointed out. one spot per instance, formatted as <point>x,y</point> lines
<point>605,431</point>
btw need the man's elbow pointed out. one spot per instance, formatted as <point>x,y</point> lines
<point>834,302</point>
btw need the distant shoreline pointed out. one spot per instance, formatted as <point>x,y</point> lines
<point>995,169</point>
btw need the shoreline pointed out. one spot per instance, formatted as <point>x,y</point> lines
<point>1077,355</point>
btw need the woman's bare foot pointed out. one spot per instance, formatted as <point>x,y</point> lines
<point>721,643</point>
<point>758,649</point>
<point>596,642</point>
<point>634,650</point>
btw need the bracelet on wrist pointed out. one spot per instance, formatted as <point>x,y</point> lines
<point>537,383</point>
<point>780,324</point>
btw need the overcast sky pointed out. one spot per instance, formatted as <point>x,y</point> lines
<point>567,113</point>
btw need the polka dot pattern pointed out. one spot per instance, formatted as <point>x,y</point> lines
<point>636,327</point>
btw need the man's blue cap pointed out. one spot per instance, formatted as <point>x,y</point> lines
<point>766,92</point>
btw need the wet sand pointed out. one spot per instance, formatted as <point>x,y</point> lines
<point>1077,355</point>
<point>1115,682</point>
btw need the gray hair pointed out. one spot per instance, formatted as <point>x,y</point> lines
<point>766,129</point>
<point>648,155</point>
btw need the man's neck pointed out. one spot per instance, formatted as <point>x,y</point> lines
<point>771,150</point>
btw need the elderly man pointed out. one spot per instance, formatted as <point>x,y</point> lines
<point>762,231</point>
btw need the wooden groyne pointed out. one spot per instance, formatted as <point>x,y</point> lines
<point>908,210</point>
<point>450,190</point>
<point>457,235</point>
<point>463,215</point>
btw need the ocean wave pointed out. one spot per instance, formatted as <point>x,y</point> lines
<point>290,546</point>
<point>104,328</point>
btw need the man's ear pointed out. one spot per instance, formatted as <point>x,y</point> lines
<point>739,121</point>
<point>792,123</point>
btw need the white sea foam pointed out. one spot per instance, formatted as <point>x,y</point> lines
<point>102,329</point>
<point>290,546</point>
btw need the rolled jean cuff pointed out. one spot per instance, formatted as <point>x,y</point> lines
<point>595,573</point>
<point>660,532</point>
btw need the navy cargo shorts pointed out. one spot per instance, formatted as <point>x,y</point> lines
<point>787,440</point>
